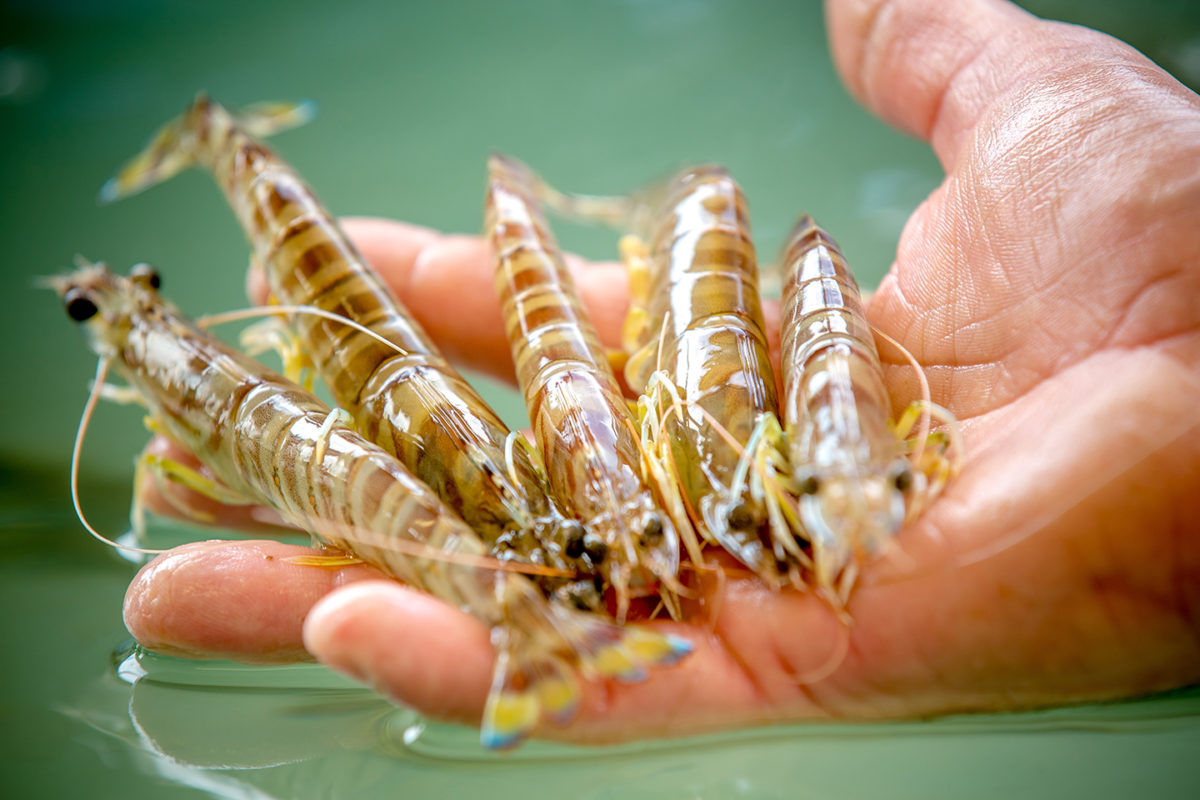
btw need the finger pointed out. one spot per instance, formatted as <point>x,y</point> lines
<point>238,600</point>
<point>439,661</point>
<point>446,281</point>
<point>407,645</point>
<point>927,66</point>
<point>934,69</point>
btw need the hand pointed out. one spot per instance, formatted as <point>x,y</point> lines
<point>1049,286</point>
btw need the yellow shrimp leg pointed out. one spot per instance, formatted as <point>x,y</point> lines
<point>856,483</point>
<point>380,365</point>
<point>268,439</point>
<point>695,325</point>
<point>588,438</point>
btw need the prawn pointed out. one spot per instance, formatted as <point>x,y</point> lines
<point>402,393</point>
<point>276,444</point>
<point>590,444</point>
<point>695,336</point>
<point>856,481</point>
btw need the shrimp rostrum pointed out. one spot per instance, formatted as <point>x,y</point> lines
<point>403,394</point>
<point>858,477</point>
<point>276,444</point>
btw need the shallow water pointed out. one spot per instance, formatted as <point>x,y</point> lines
<point>602,97</point>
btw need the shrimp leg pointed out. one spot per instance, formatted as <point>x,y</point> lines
<point>402,393</point>
<point>581,422</point>
<point>278,445</point>
<point>849,463</point>
<point>698,351</point>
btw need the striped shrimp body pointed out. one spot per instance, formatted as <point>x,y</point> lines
<point>856,481</point>
<point>405,397</point>
<point>580,420</point>
<point>695,335</point>
<point>276,444</point>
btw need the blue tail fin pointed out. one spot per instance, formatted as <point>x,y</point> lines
<point>532,681</point>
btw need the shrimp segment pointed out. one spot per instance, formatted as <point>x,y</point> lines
<point>406,398</point>
<point>851,466</point>
<point>581,422</point>
<point>278,445</point>
<point>695,336</point>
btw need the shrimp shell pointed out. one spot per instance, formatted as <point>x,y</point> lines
<point>580,420</point>
<point>275,443</point>
<point>849,463</point>
<point>696,319</point>
<point>407,398</point>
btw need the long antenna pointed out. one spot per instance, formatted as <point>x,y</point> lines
<point>80,432</point>
<point>209,320</point>
<point>923,381</point>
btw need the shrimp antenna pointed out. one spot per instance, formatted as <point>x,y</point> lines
<point>94,397</point>
<point>237,315</point>
<point>926,400</point>
<point>838,655</point>
<point>417,550</point>
<point>422,551</point>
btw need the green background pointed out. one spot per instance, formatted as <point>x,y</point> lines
<point>601,97</point>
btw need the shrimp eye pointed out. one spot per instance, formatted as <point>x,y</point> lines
<point>79,306</point>
<point>595,548</point>
<point>652,531</point>
<point>584,595</point>
<point>903,479</point>
<point>810,485</point>
<point>739,516</point>
<point>144,273</point>
<point>572,538</point>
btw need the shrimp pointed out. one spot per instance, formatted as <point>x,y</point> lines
<point>276,444</point>
<point>581,422</point>
<point>402,393</point>
<point>856,483</point>
<point>694,332</point>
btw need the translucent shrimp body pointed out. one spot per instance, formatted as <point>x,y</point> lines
<point>406,397</point>
<point>695,318</point>
<point>276,444</point>
<point>850,465</point>
<point>580,420</point>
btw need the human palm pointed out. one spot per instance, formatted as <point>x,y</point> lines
<point>1049,288</point>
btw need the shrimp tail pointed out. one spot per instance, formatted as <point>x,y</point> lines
<point>269,118</point>
<point>614,211</point>
<point>180,143</point>
<point>530,682</point>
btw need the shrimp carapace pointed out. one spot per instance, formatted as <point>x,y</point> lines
<point>403,394</point>
<point>698,352</point>
<point>855,480</point>
<point>587,435</point>
<point>274,443</point>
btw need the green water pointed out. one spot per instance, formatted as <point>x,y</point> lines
<point>601,96</point>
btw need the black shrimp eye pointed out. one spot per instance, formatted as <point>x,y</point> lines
<point>573,539</point>
<point>903,479</point>
<point>595,547</point>
<point>739,517</point>
<point>810,485</point>
<point>79,306</point>
<point>652,531</point>
<point>144,273</point>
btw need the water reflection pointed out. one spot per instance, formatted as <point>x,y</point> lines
<point>299,731</point>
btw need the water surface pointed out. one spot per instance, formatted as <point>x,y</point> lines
<point>602,97</point>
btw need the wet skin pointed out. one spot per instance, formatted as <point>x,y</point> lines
<point>1049,286</point>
